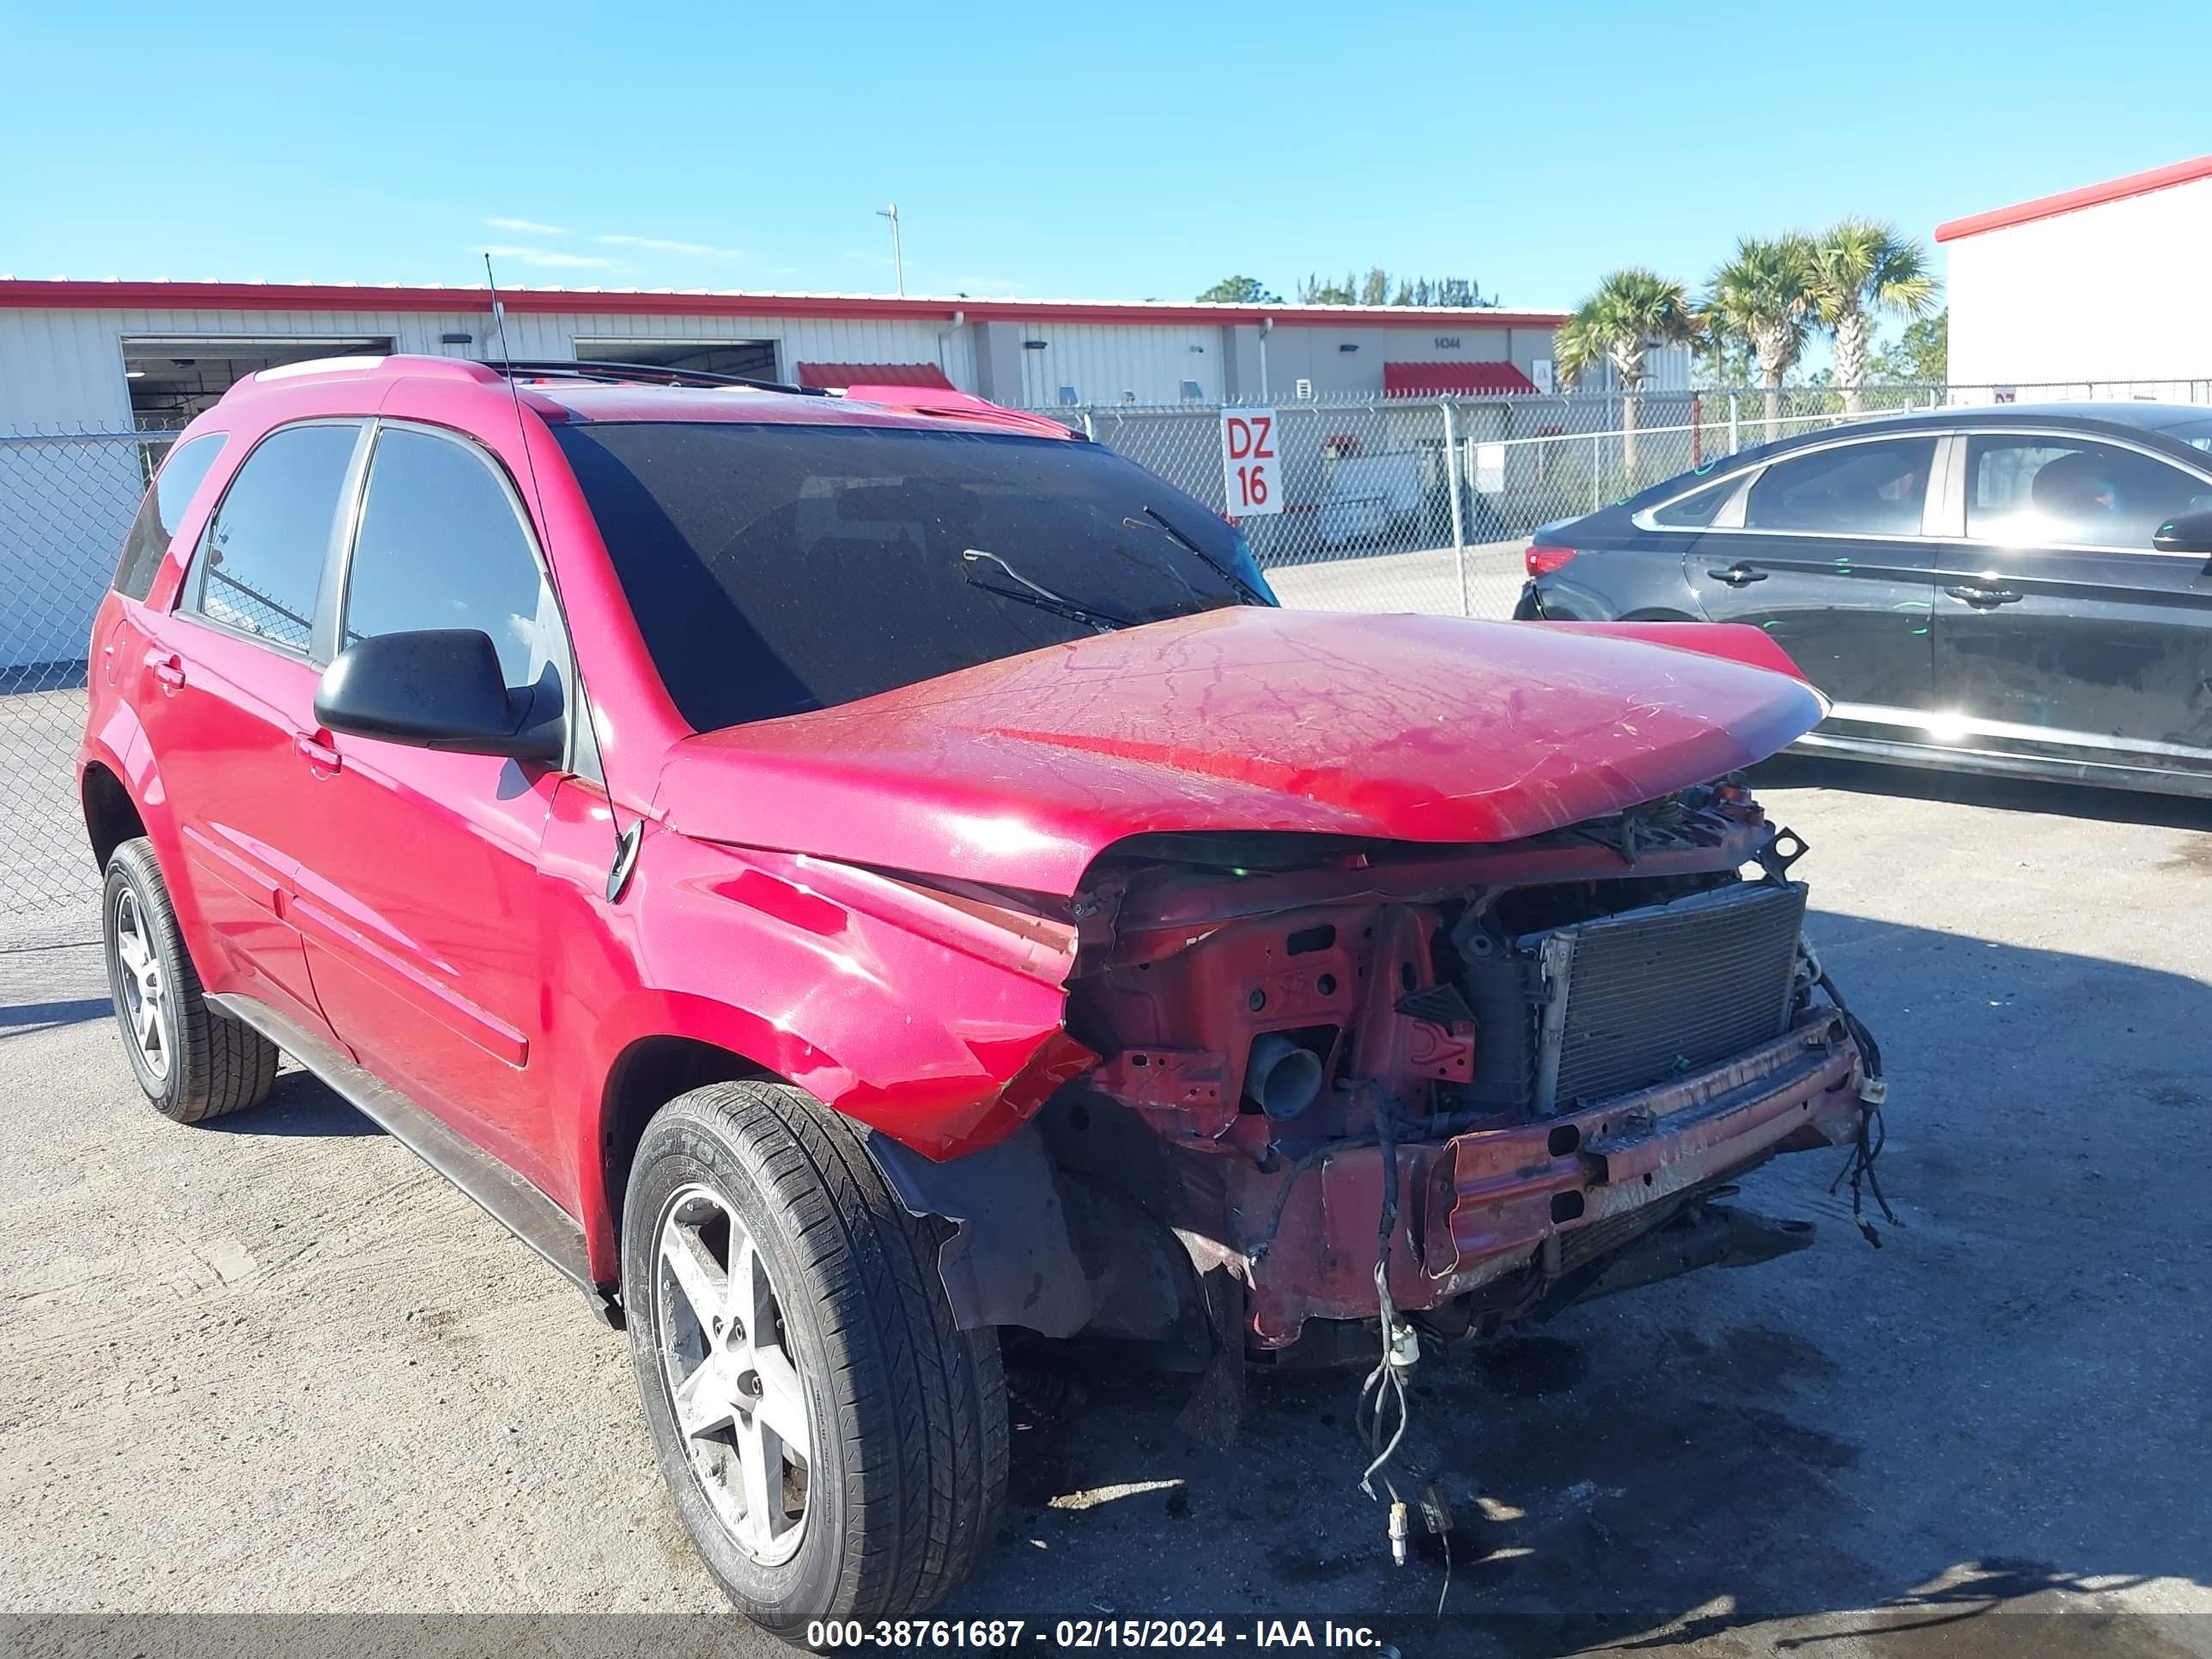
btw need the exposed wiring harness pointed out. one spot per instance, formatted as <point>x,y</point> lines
<point>1383,1396</point>
<point>1874,1134</point>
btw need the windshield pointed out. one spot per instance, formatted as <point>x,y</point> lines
<point>776,568</point>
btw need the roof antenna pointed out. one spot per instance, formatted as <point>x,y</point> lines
<point>626,840</point>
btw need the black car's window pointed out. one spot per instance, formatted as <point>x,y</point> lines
<point>262,559</point>
<point>441,545</point>
<point>773,568</point>
<point>163,510</point>
<point>1695,510</point>
<point>1872,488</point>
<point>2028,489</point>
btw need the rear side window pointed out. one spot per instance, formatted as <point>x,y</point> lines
<point>164,509</point>
<point>1695,510</point>
<point>2031,489</point>
<point>1874,488</point>
<point>262,561</point>
<point>440,546</point>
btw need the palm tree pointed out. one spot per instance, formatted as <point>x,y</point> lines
<point>1764,297</point>
<point>1861,267</point>
<point>1631,312</point>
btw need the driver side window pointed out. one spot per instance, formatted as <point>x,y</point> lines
<point>2033,489</point>
<point>441,544</point>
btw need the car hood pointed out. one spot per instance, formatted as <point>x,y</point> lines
<point>1021,772</point>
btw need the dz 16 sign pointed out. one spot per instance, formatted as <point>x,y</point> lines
<point>1250,481</point>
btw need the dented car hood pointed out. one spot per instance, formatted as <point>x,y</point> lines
<point>1021,772</point>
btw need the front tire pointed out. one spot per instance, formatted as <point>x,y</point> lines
<point>194,1062</point>
<point>777,1293</point>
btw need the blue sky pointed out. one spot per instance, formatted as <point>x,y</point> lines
<point>1131,151</point>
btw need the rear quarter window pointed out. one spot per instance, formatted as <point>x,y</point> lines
<point>166,500</point>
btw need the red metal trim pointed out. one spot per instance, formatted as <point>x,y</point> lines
<point>2072,200</point>
<point>79,295</point>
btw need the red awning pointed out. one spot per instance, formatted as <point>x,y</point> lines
<point>1453,379</point>
<point>837,376</point>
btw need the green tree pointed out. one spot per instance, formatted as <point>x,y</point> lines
<point>1315,292</point>
<point>1632,311</point>
<point>1921,355</point>
<point>1763,298</point>
<point>1862,269</point>
<point>1241,291</point>
<point>1375,287</point>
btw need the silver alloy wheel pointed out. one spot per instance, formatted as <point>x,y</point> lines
<point>739,1401</point>
<point>147,1008</point>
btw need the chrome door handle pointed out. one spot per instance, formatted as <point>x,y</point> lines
<point>1738,575</point>
<point>1984,598</point>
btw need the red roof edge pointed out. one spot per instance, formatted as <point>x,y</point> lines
<point>19,292</point>
<point>2072,200</point>
<point>838,376</point>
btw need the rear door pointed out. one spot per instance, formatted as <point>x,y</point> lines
<point>227,694</point>
<point>2061,634</point>
<point>1827,551</point>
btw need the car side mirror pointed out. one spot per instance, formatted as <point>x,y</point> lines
<point>2186,532</point>
<point>435,688</point>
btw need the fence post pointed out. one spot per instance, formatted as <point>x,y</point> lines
<point>1090,428</point>
<point>1597,470</point>
<point>1458,524</point>
<point>1735,424</point>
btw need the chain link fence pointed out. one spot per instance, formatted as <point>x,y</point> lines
<point>1389,505</point>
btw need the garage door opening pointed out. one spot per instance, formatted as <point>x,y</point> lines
<point>171,380</point>
<point>755,359</point>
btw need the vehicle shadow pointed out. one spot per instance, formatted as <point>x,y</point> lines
<point>1792,771</point>
<point>2000,1410</point>
<point>299,1103</point>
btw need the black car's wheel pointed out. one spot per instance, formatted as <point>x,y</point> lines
<point>194,1062</point>
<point>834,1447</point>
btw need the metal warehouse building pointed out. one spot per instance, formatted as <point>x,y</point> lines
<point>2100,284</point>
<point>114,356</point>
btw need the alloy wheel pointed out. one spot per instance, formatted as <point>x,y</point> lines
<point>735,1387</point>
<point>147,1009</point>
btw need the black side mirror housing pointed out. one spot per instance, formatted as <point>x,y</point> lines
<point>2189,533</point>
<point>433,688</point>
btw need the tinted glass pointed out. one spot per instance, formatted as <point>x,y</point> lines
<point>440,546</point>
<point>777,569</point>
<point>161,511</point>
<point>1874,488</point>
<point>2029,491</point>
<point>1695,510</point>
<point>262,561</point>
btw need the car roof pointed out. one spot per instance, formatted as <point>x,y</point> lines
<point>565,394</point>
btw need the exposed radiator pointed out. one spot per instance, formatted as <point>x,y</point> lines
<point>1638,998</point>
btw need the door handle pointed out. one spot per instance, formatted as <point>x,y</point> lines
<point>1984,598</point>
<point>1738,575</point>
<point>168,668</point>
<point>319,755</point>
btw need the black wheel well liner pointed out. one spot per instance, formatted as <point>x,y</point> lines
<point>111,816</point>
<point>645,1076</point>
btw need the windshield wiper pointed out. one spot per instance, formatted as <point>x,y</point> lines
<point>1030,592</point>
<point>1252,594</point>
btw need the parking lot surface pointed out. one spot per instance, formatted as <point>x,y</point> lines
<point>276,1366</point>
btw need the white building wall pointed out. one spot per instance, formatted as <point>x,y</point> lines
<point>2110,292</point>
<point>1105,361</point>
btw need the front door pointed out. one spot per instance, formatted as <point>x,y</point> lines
<point>422,900</point>
<point>227,696</point>
<point>1831,560</point>
<point>2060,632</point>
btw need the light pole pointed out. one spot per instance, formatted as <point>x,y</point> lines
<point>898,262</point>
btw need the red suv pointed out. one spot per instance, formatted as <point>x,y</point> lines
<point>854,883</point>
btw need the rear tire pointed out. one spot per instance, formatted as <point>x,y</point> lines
<point>194,1062</point>
<point>837,1332</point>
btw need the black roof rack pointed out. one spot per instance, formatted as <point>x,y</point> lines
<point>639,373</point>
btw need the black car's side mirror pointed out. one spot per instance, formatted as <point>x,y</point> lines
<point>2188,533</point>
<point>435,688</point>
